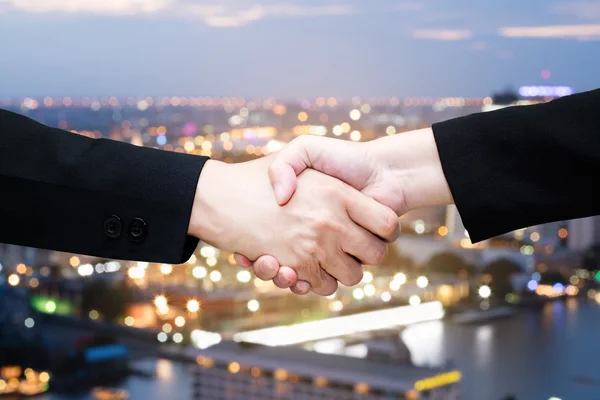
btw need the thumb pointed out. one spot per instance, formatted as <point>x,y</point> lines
<point>284,181</point>
<point>288,164</point>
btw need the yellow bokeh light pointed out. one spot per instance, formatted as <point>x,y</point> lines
<point>160,301</point>
<point>534,236</point>
<point>193,305</point>
<point>166,269</point>
<point>21,269</point>
<point>355,136</point>
<point>206,146</point>
<point>233,367</point>
<point>189,146</point>
<point>563,233</point>
<point>13,280</point>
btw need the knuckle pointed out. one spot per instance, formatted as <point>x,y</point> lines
<point>377,254</point>
<point>380,254</point>
<point>312,249</point>
<point>323,222</point>
<point>301,141</point>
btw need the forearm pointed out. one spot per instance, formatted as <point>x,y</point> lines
<point>523,166</point>
<point>62,191</point>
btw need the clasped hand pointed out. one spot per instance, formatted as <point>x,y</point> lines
<point>322,234</point>
<point>310,215</point>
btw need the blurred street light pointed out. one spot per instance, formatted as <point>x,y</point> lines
<point>160,301</point>
<point>244,276</point>
<point>422,282</point>
<point>13,280</point>
<point>400,278</point>
<point>215,276</point>
<point>414,300</point>
<point>193,305</point>
<point>253,305</point>
<point>358,294</point>
<point>484,291</point>
<point>367,277</point>
<point>166,269</point>
<point>199,272</point>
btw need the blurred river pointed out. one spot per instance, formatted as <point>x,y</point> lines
<point>538,354</point>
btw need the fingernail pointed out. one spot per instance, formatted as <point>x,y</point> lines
<point>279,192</point>
<point>265,268</point>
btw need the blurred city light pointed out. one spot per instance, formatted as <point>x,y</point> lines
<point>203,339</point>
<point>177,337</point>
<point>199,272</point>
<point>484,291</point>
<point>414,300</point>
<point>341,326</point>
<point>215,276</point>
<point>160,301</point>
<point>422,282</point>
<point>386,297</point>
<point>253,305</point>
<point>166,269</point>
<point>13,279</point>
<point>193,305</point>
<point>367,277</point>
<point>400,278</point>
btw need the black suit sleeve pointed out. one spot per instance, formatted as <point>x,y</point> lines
<point>62,191</point>
<point>523,165</point>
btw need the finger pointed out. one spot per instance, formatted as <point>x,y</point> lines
<point>367,248</point>
<point>285,278</point>
<point>242,260</point>
<point>266,268</point>
<point>344,268</point>
<point>300,288</point>
<point>320,281</point>
<point>373,216</point>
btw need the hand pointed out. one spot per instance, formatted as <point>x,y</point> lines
<point>323,233</point>
<point>402,172</point>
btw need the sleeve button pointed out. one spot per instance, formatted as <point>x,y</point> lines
<point>113,227</point>
<point>138,230</point>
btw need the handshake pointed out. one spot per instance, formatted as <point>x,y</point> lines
<point>311,215</point>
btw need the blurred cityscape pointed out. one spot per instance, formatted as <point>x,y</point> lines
<point>441,319</point>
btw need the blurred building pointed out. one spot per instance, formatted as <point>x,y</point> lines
<point>231,370</point>
<point>583,233</point>
<point>456,228</point>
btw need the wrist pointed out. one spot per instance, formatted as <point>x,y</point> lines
<point>412,160</point>
<point>226,204</point>
<point>204,219</point>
